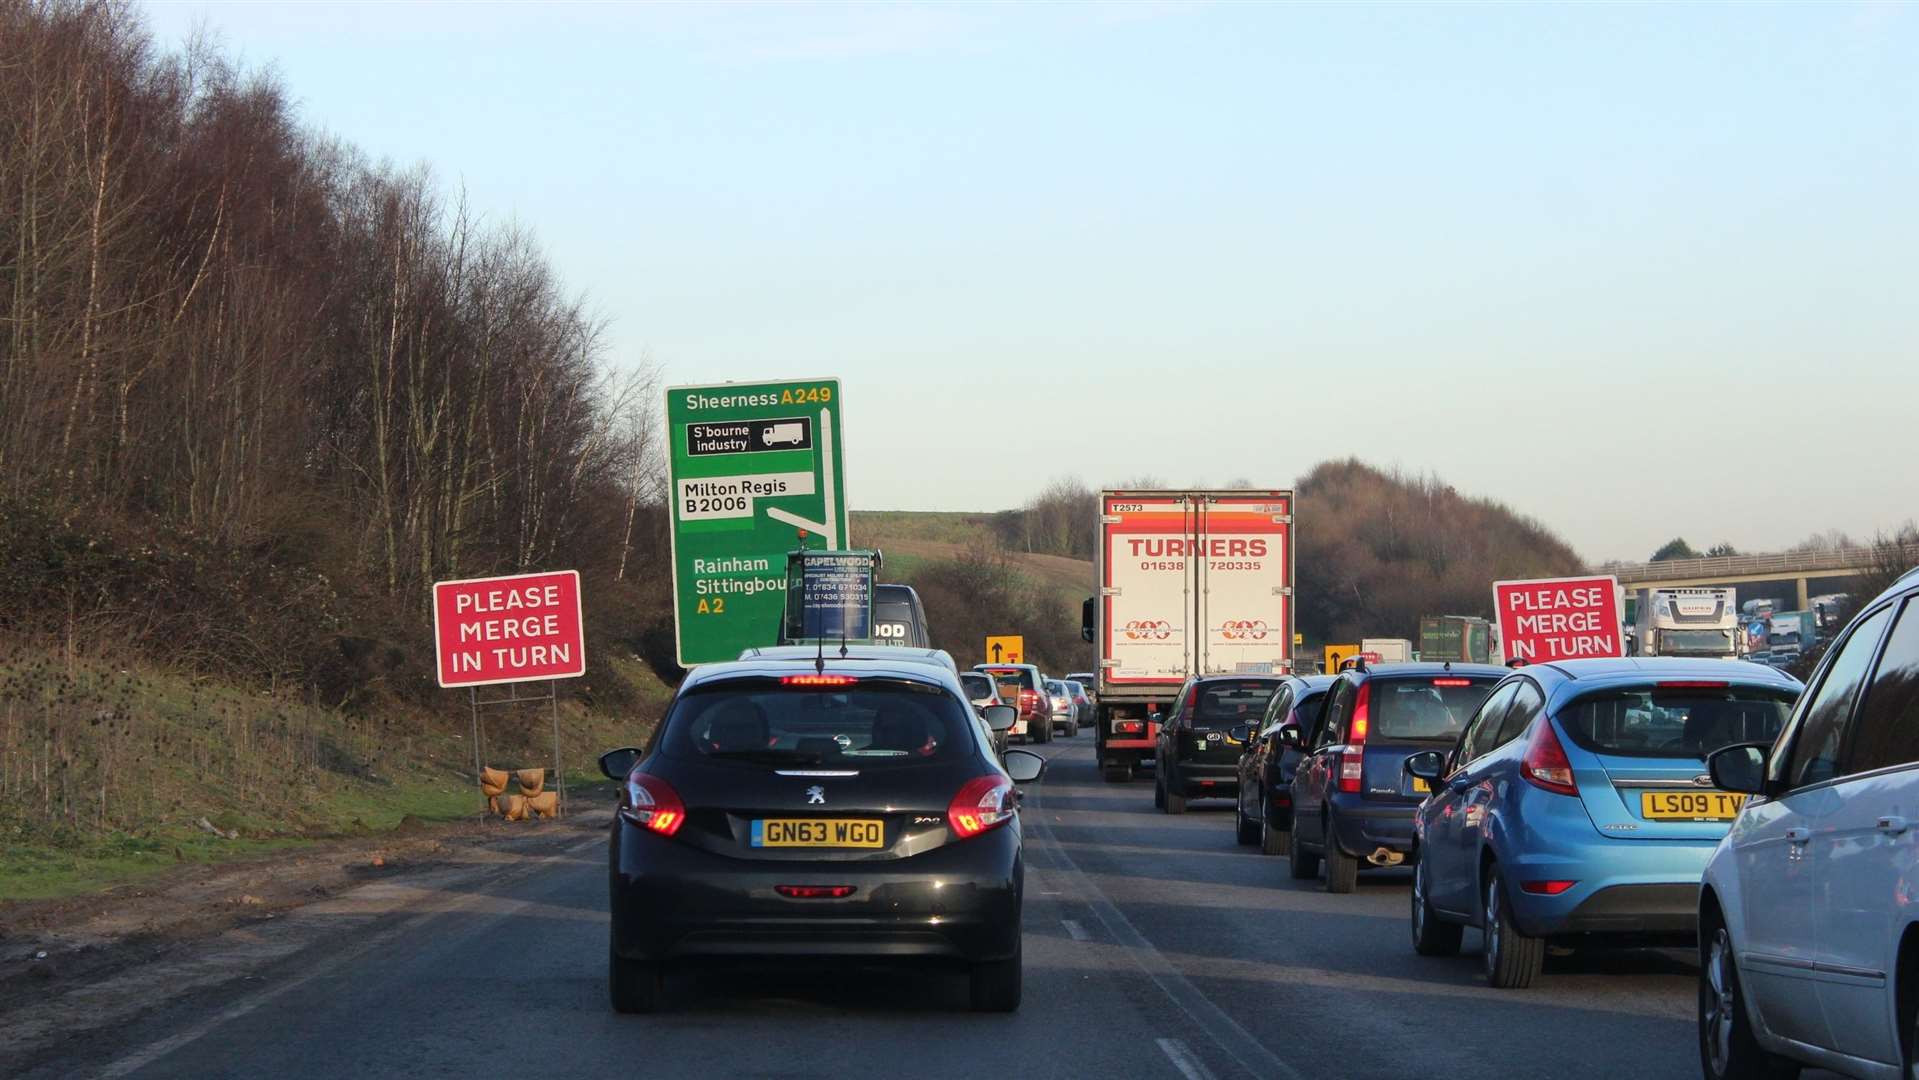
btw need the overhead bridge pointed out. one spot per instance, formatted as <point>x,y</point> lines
<point>1798,567</point>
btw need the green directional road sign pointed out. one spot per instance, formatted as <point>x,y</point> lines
<point>757,471</point>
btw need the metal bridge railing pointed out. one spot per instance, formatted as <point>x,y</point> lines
<point>1809,563</point>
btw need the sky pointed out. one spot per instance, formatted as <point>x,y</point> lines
<point>1637,271</point>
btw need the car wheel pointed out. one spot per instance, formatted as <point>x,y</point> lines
<point>1072,728</point>
<point>1432,935</point>
<point>1513,959</point>
<point>1117,774</point>
<point>996,984</point>
<point>1301,864</point>
<point>1159,793</point>
<point>1043,732</point>
<point>1727,1046</point>
<point>1247,829</point>
<point>1342,870</point>
<point>1274,841</point>
<point>633,985</point>
<point>1175,802</point>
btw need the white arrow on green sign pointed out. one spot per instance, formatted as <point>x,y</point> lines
<point>757,470</point>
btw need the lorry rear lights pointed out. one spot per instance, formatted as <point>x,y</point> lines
<point>984,802</point>
<point>1129,727</point>
<point>815,892</point>
<point>818,680</point>
<point>1545,765</point>
<point>653,804</point>
<point>1546,888</point>
<point>1352,760</point>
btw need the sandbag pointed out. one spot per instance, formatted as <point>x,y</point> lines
<point>546,804</point>
<point>493,781</point>
<point>513,807</point>
<point>531,781</point>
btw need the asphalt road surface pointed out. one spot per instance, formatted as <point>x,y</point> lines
<point>1155,947</point>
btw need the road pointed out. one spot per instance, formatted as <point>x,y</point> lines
<point>1155,947</point>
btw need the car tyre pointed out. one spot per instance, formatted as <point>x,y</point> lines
<point>996,984</point>
<point>1072,728</point>
<point>1513,959</point>
<point>632,985</point>
<point>1175,803</point>
<point>1042,732</point>
<point>1117,774</point>
<point>1727,1046</point>
<point>1342,870</point>
<point>1432,935</point>
<point>1246,829</point>
<point>1301,864</point>
<point>1159,793</point>
<point>1274,841</point>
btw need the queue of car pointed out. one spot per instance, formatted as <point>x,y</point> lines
<point>1617,802</point>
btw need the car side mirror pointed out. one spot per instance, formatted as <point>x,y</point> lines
<point>1428,765</point>
<point>1086,611</point>
<point>1024,766</point>
<point>1241,733</point>
<point>1000,717</point>
<point>1290,737</point>
<point>1740,767</point>
<point>617,763</point>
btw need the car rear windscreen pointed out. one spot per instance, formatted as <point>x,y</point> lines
<point>1425,709</point>
<point>1233,702</point>
<point>1011,681</point>
<point>863,724</point>
<point>1681,722</point>
<point>977,685</point>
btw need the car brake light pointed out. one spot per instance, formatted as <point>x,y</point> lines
<point>1452,682</point>
<point>1545,765</point>
<point>815,892</point>
<point>1546,888</point>
<point>1352,760</point>
<point>652,803</point>
<point>984,801</point>
<point>818,680</point>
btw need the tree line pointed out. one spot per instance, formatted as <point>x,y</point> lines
<point>231,340</point>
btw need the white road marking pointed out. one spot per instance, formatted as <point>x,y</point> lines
<point>1185,1060</point>
<point>1075,931</point>
<point>1232,1039</point>
<point>152,1052</point>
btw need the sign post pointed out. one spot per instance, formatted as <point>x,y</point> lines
<point>757,470</point>
<point>515,629</point>
<point>1547,619</point>
<point>1006,649</point>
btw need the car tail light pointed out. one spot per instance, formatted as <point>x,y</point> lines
<point>652,803</point>
<point>1545,765</point>
<point>818,680</point>
<point>1282,798</point>
<point>1128,727</point>
<point>815,892</point>
<point>985,801</point>
<point>1029,701</point>
<point>1546,888</point>
<point>1352,760</point>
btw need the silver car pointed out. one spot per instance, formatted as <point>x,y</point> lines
<point>1809,908</point>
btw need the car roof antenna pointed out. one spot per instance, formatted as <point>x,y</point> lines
<point>842,639</point>
<point>819,658</point>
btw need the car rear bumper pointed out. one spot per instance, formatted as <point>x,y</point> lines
<point>1622,887</point>
<point>671,900</point>
<point>1196,779</point>
<point>1128,744</point>
<point>1361,828</point>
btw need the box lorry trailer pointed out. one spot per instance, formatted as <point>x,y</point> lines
<point>1190,583</point>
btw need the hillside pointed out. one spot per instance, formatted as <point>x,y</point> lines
<point>910,539</point>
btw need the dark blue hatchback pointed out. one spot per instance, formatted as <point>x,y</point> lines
<point>1352,799</point>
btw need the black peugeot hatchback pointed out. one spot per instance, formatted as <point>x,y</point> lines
<point>840,808</point>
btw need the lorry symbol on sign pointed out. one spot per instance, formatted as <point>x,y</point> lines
<point>790,434</point>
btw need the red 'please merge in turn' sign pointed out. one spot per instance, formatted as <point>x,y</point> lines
<point>1550,619</point>
<point>509,629</point>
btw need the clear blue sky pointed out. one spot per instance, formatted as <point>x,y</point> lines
<point>1637,270</point>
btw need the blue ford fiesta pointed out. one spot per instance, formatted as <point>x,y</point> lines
<point>1576,808</point>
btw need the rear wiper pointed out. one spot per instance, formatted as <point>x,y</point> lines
<point>770,756</point>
